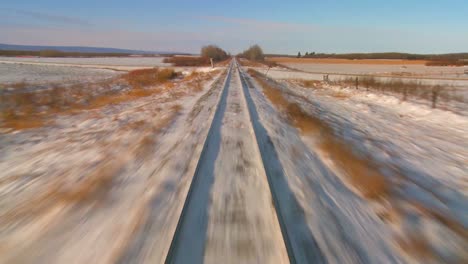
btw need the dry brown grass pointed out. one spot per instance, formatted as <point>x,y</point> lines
<point>361,172</point>
<point>309,83</point>
<point>249,63</point>
<point>406,89</point>
<point>95,186</point>
<point>20,123</point>
<point>416,245</point>
<point>340,95</point>
<point>149,77</point>
<point>145,146</point>
<point>196,80</point>
<point>24,108</point>
<point>187,61</point>
<point>456,63</point>
<point>224,63</point>
<point>345,61</point>
<point>147,143</point>
<point>92,189</point>
<point>444,219</point>
<point>20,85</point>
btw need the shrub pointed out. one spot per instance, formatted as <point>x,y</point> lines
<point>254,53</point>
<point>213,52</point>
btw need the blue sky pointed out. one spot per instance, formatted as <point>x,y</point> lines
<point>431,26</point>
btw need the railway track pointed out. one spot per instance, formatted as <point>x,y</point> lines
<point>228,215</point>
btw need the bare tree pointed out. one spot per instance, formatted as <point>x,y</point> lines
<point>254,53</point>
<point>214,52</point>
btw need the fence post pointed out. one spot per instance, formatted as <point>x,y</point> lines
<point>325,78</point>
<point>266,73</point>
<point>435,94</point>
<point>357,83</point>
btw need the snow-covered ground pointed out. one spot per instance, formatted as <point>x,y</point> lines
<point>109,185</point>
<point>114,63</point>
<point>454,87</point>
<point>282,73</point>
<point>14,73</point>
<point>106,185</point>
<point>427,147</point>
<point>409,70</point>
<point>421,151</point>
<point>110,61</point>
<point>46,70</point>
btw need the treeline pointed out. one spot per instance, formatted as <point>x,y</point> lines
<point>450,59</point>
<point>206,54</point>
<point>56,53</point>
<point>387,55</point>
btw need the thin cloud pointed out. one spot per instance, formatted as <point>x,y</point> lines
<point>52,18</point>
<point>261,24</point>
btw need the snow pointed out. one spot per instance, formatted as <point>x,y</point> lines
<point>428,147</point>
<point>229,217</point>
<point>99,61</point>
<point>14,73</point>
<point>375,69</point>
<point>151,162</point>
<point>247,163</point>
<point>344,227</point>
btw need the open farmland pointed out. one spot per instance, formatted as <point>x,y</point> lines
<point>395,68</point>
<point>15,73</point>
<point>41,70</point>
<point>99,61</point>
<point>110,63</point>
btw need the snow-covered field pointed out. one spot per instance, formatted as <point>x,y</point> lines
<point>81,189</point>
<point>397,70</point>
<point>422,153</point>
<point>455,87</point>
<point>216,170</point>
<point>282,73</point>
<point>110,61</point>
<point>14,73</point>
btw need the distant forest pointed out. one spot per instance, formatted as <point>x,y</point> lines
<point>449,59</point>
<point>381,55</point>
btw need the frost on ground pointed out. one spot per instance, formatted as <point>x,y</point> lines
<point>109,61</point>
<point>14,73</point>
<point>387,70</point>
<point>105,185</point>
<point>414,156</point>
<point>352,176</point>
